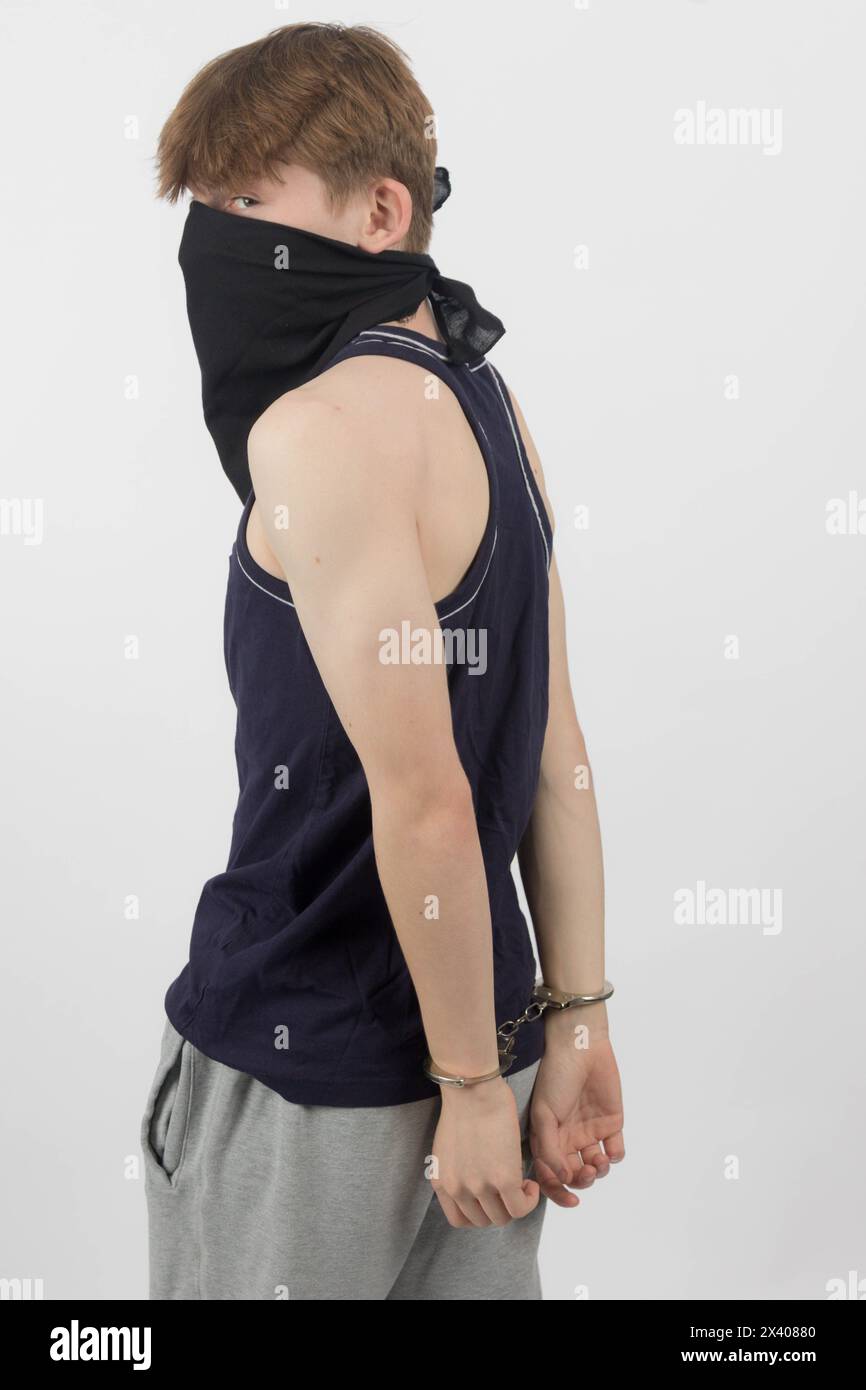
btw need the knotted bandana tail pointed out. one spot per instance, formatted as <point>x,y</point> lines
<point>269,306</point>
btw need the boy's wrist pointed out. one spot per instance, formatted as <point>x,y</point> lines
<point>562,1023</point>
<point>468,1060</point>
<point>486,1093</point>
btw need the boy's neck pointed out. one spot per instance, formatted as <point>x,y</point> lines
<point>422,321</point>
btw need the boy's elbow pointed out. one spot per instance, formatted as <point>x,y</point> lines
<point>425,797</point>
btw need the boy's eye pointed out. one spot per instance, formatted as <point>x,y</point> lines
<point>243,198</point>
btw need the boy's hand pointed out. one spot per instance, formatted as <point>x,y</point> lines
<point>576,1110</point>
<point>480,1163</point>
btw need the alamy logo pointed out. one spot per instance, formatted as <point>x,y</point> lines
<point>76,1343</point>
<point>729,907</point>
<point>23,516</point>
<point>854,1288</point>
<point>21,1290</point>
<point>739,125</point>
<point>462,646</point>
<point>846,516</point>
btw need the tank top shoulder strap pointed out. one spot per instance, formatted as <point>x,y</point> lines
<point>386,340</point>
<point>389,340</point>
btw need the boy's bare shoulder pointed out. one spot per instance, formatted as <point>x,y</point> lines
<point>351,432</point>
<point>364,396</point>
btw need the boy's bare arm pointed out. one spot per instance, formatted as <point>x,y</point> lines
<point>560,855</point>
<point>352,558</point>
<point>576,1119</point>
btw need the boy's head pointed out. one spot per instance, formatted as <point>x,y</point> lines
<point>317,126</point>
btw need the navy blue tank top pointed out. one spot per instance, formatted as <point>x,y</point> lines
<point>295,972</point>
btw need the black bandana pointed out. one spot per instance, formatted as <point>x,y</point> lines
<point>270,305</point>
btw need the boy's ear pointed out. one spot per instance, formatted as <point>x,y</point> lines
<point>390,216</point>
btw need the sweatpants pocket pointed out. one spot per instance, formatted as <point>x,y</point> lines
<point>166,1120</point>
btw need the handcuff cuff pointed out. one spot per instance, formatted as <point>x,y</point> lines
<point>543,997</point>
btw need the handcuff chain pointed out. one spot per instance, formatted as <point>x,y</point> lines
<point>507,1031</point>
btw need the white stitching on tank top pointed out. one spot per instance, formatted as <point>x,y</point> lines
<point>261,586</point>
<point>517,446</point>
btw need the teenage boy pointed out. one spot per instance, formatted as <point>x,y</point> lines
<point>364,1092</point>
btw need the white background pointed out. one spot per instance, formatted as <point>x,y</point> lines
<point>707,519</point>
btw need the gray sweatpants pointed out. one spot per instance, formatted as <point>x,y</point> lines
<point>252,1197</point>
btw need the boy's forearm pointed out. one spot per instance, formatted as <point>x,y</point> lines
<point>561,866</point>
<point>429,860</point>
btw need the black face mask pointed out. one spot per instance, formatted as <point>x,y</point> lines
<point>269,306</point>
